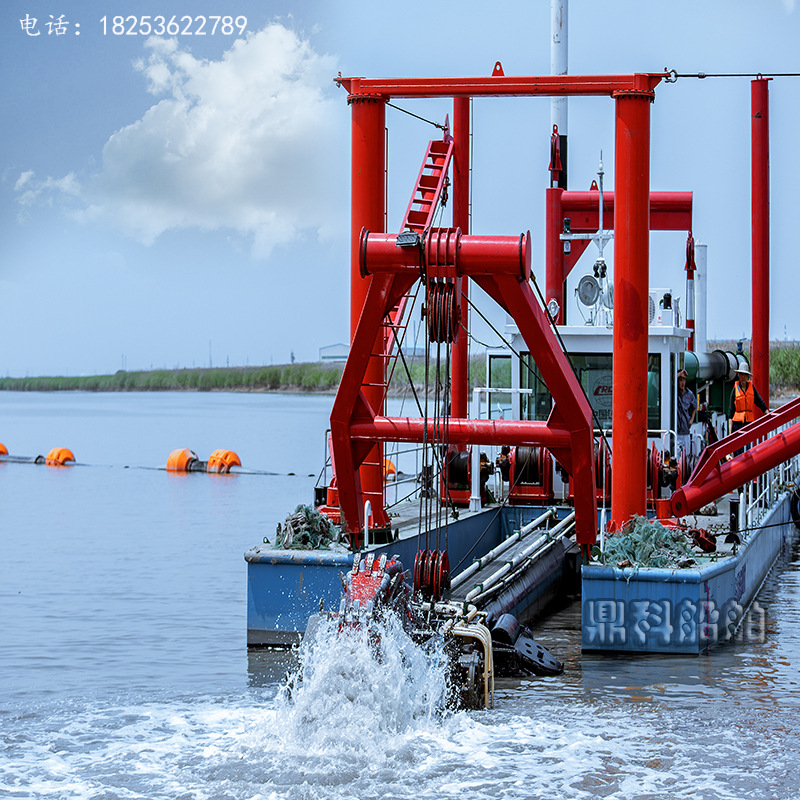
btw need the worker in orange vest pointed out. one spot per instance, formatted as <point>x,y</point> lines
<point>744,399</point>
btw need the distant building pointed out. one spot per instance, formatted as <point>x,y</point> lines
<point>339,352</point>
<point>334,352</point>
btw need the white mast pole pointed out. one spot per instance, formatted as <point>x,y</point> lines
<point>559,66</point>
<point>700,310</point>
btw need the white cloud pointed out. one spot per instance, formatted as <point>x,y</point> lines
<point>247,143</point>
<point>31,192</point>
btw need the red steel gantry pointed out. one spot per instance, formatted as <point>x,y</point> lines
<point>381,273</point>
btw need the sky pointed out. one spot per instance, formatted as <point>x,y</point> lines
<point>183,200</point>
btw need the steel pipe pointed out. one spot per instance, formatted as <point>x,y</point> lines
<point>559,65</point>
<point>669,211</point>
<point>759,356</point>
<point>501,86</point>
<point>446,253</point>
<point>555,278</point>
<point>368,170</point>
<point>480,563</point>
<point>461,431</point>
<point>727,475</point>
<point>710,366</point>
<point>556,533</point>
<point>700,304</point>
<point>631,279</point>
<point>461,219</point>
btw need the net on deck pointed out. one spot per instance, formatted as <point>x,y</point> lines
<point>646,543</point>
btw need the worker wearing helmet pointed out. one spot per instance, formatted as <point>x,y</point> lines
<point>744,400</point>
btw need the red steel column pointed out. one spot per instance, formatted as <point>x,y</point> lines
<point>631,277</point>
<point>460,353</point>
<point>368,210</point>
<point>759,355</point>
<point>554,260</point>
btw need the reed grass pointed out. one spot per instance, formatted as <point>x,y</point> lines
<point>297,377</point>
<point>784,373</point>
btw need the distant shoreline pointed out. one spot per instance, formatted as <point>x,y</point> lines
<point>302,378</point>
<point>314,378</point>
<point>322,378</point>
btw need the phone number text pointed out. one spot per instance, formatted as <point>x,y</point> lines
<point>173,26</point>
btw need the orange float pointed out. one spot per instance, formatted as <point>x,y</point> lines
<point>181,460</point>
<point>221,461</point>
<point>58,457</point>
<point>3,450</point>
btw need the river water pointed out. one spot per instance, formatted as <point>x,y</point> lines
<point>124,671</point>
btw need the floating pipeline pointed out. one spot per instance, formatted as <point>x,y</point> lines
<point>57,457</point>
<point>220,462</point>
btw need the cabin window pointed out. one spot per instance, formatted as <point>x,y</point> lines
<point>654,392</point>
<point>537,405</point>
<point>595,373</point>
<point>500,377</point>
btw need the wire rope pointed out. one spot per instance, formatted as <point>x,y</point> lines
<point>417,116</point>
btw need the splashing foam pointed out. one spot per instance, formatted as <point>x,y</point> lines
<point>351,696</point>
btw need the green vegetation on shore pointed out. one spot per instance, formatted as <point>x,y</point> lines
<point>784,367</point>
<point>305,377</point>
<point>784,373</point>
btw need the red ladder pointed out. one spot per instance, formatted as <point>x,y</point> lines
<point>428,192</point>
<point>430,185</point>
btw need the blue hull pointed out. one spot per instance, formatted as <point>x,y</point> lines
<point>685,610</point>
<point>284,587</point>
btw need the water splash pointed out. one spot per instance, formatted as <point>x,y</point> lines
<point>355,690</point>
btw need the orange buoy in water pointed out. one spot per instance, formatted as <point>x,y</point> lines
<point>3,450</point>
<point>389,471</point>
<point>181,460</point>
<point>221,461</point>
<point>58,457</point>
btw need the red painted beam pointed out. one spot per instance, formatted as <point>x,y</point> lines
<point>367,209</point>
<point>502,86</point>
<point>448,254</point>
<point>725,476</point>
<point>759,358</point>
<point>461,431</point>
<point>571,410</point>
<point>745,436</point>
<point>461,219</point>
<point>669,211</point>
<point>713,473</point>
<point>351,401</point>
<point>631,279</point>
<point>554,261</point>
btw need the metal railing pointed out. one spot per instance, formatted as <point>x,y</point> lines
<point>758,497</point>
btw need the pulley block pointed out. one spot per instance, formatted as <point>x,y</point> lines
<point>442,312</point>
<point>432,574</point>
